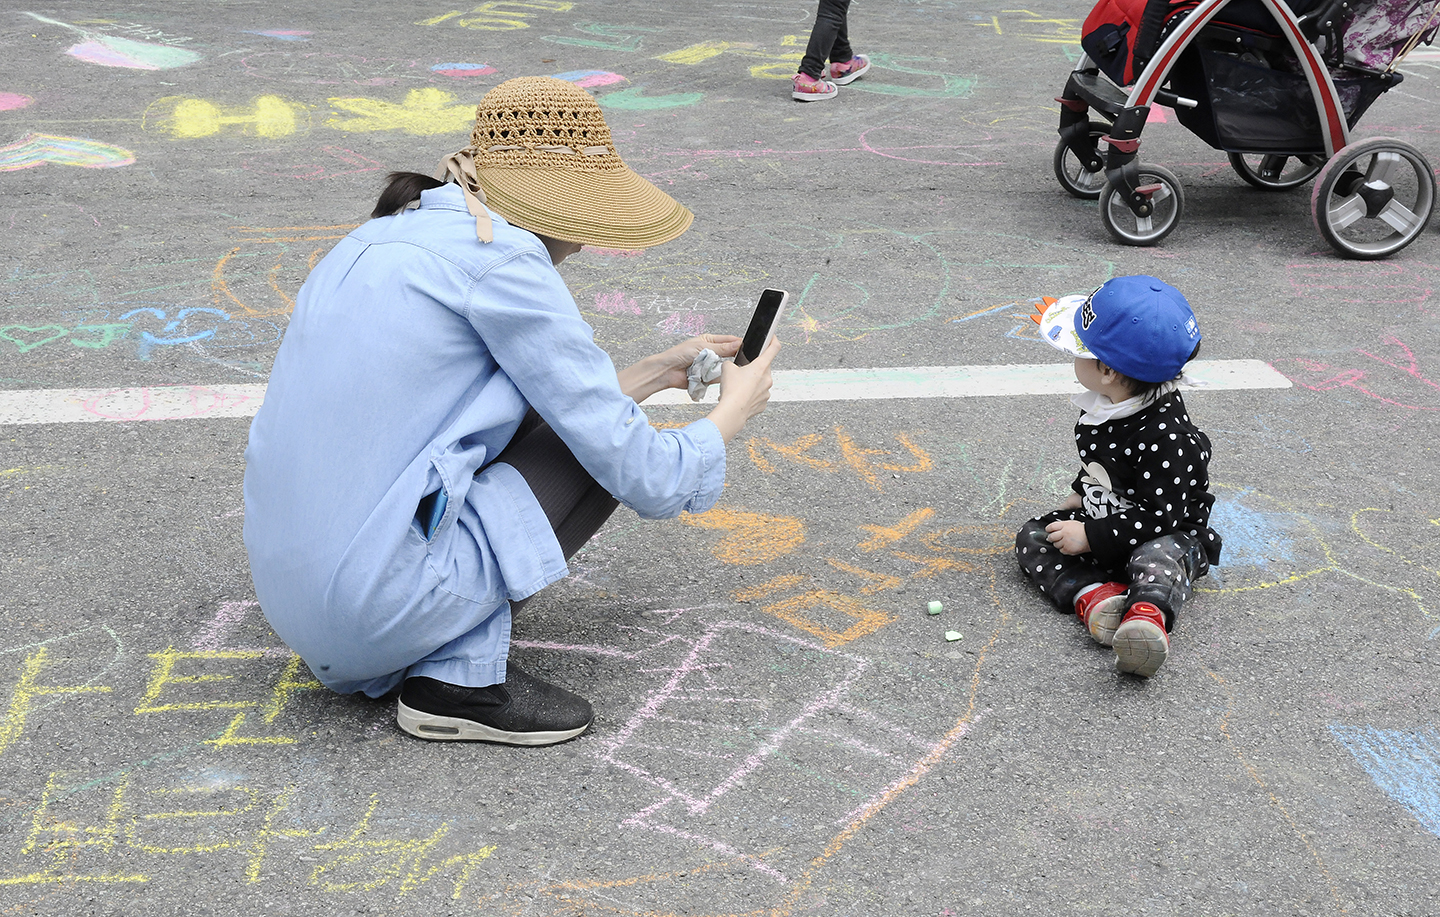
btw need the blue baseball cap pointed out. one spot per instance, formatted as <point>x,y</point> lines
<point>1139,326</point>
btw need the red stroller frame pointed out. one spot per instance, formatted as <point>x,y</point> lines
<point>1371,198</point>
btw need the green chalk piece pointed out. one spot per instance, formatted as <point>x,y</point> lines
<point>952,635</point>
<point>936,608</point>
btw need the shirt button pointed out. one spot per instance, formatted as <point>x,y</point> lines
<point>629,421</point>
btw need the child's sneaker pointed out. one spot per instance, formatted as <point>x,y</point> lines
<point>850,70</point>
<point>805,88</point>
<point>1141,646</point>
<point>1101,609</point>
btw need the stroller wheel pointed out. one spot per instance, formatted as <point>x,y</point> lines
<point>1373,198</point>
<point>1127,228</point>
<point>1073,175</point>
<point>1274,172</point>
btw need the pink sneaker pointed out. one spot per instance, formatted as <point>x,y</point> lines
<point>806,88</point>
<point>850,70</point>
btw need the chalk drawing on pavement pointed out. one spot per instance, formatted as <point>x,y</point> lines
<point>1404,763</point>
<point>97,47</point>
<point>34,150</point>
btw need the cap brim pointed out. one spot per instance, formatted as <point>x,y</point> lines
<point>615,208</point>
<point>1057,326</point>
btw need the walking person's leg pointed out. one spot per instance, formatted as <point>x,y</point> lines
<point>809,84</point>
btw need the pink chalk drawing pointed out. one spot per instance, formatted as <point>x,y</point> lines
<point>889,141</point>
<point>1367,283</point>
<point>10,101</point>
<point>614,252</point>
<point>37,149</point>
<point>164,402</point>
<point>688,324</point>
<point>461,71</point>
<point>616,303</point>
<point>720,747</point>
<point>219,634</point>
<point>1401,370</point>
<point>588,78</point>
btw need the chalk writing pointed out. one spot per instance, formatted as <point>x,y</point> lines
<point>500,15</point>
<point>1401,371</point>
<point>608,37</point>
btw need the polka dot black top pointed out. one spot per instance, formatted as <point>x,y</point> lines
<point>1144,476</point>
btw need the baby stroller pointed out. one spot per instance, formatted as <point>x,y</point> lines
<point>1277,87</point>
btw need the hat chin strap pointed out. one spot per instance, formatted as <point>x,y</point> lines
<point>460,167</point>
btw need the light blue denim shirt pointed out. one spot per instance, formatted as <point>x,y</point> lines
<point>412,356</point>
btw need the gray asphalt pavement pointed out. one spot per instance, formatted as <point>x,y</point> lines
<point>782,728</point>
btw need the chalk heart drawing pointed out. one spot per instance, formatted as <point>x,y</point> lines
<point>10,101</point>
<point>184,118</point>
<point>37,149</point>
<point>114,51</point>
<point>423,112</point>
<point>28,337</point>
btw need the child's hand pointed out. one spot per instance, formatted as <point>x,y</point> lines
<point>1068,536</point>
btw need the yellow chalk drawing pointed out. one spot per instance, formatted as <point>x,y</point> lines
<point>701,52</point>
<point>796,610</point>
<point>1035,27</point>
<point>424,112</point>
<point>64,840</point>
<point>219,839</point>
<point>396,858</point>
<point>164,674</point>
<point>280,695</point>
<point>500,15</point>
<point>184,118</point>
<point>751,538</point>
<point>260,844</point>
<point>22,699</point>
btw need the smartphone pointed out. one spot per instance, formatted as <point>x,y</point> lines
<point>762,325</point>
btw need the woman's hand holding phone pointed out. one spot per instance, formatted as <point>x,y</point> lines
<point>744,391</point>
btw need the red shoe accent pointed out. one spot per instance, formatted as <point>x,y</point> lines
<point>1141,644</point>
<point>1100,609</point>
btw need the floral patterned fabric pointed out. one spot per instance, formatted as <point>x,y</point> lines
<point>1374,35</point>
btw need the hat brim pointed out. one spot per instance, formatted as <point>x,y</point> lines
<point>614,208</point>
<point>1057,327</point>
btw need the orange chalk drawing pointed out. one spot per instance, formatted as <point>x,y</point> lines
<point>751,538</point>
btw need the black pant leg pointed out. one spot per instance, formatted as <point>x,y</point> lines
<point>1163,572</point>
<point>828,39</point>
<point>574,504</point>
<point>1059,576</point>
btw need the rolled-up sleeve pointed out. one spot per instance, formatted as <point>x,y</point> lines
<point>522,310</point>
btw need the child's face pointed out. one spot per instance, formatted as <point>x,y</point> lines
<point>1098,377</point>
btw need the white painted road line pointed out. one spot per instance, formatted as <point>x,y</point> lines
<point>185,402</point>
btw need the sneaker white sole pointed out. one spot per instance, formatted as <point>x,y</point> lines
<point>1141,648</point>
<point>1105,618</point>
<point>849,77</point>
<point>799,96</point>
<point>453,729</point>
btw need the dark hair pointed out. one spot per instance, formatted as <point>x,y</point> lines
<point>401,190</point>
<point>1149,390</point>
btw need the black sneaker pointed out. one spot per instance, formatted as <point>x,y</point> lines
<point>522,711</point>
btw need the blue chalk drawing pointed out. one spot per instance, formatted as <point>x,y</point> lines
<point>1252,538</point>
<point>1406,765</point>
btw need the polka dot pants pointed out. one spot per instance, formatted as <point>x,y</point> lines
<point>1162,571</point>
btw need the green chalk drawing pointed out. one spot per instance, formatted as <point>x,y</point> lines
<point>635,100</point>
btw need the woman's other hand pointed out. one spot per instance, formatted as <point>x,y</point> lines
<point>744,391</point>
<point>668,368</point>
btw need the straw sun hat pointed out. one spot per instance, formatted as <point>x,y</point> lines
<point>541,156</point>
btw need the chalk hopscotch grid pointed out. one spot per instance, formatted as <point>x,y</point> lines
<point>1406,765</point>
<point>182,402</point>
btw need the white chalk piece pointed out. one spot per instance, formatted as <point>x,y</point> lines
<point>936,608</point>
<point>952,635</point>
